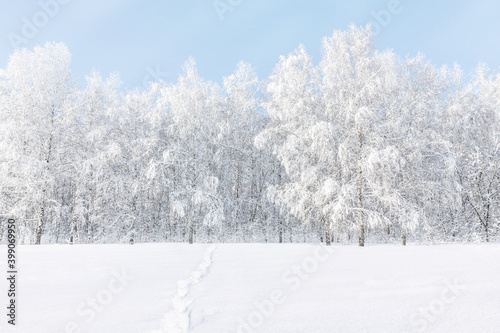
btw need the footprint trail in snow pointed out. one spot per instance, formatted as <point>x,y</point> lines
<point>178,320</point>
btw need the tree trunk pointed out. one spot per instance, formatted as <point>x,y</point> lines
<point>361,235</point>
<point>360,192</point>
<point>190,232</point>
<point>327,232</point>
<point>327,237</point>
<point>39,229</point>
<point>280,231</point>
<point>487,223</point>
<point>487,231</point>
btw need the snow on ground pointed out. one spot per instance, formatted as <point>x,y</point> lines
<point>255,288</point>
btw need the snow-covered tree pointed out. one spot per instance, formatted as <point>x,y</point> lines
<point>39,92</point>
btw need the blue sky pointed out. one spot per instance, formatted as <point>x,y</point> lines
<point>152,39</point>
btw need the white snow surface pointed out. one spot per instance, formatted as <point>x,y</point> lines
<point>255,288</point>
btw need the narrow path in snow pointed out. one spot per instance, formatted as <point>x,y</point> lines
<point>179,319</point>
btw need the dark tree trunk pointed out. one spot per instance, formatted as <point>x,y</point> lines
<point>39,229</point>
<point>327,232</point>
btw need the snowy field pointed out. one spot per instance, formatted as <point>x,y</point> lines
<point>256,288</point>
